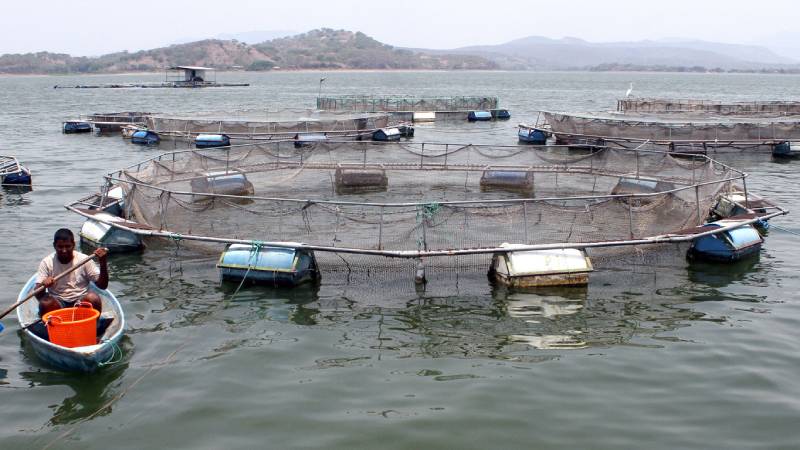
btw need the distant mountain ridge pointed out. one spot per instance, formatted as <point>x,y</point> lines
<point>317,49</point>
<point>340,49</point>
<point>536,52</point>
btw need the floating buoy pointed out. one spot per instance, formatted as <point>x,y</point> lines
<point>278,266</point>
<point>212,140</point>
<point>99,234</point>
<point>731,245</point>
<point>534,268</point>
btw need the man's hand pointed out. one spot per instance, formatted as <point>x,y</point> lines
<point>101,253</point>
<point>49,281</point>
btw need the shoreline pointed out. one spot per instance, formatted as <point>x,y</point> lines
<point>324,71</point>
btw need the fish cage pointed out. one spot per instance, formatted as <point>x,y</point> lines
<point>639,105</point>
<point>399,205</point>
<point>368,103</point>
<point>114,121</point>
<point>252,125</point>
<point>675,129</point>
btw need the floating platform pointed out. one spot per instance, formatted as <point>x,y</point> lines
<point>173,84</point>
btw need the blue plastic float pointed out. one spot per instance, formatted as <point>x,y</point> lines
<point>277,266</point>
<point>212,140</point>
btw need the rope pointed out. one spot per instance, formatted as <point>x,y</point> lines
<point>782,229</point>
<point>255,249</point>
<point>116,355</point>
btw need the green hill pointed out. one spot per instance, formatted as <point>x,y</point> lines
<point>318,49</point>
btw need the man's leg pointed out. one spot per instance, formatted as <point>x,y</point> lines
<point>94,299</point>
<point>48,304</point>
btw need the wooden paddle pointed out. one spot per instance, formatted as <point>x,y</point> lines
<point>42,288</point>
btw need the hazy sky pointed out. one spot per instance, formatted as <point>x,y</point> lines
<point>93,28</point>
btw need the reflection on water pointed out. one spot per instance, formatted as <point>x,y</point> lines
<point>15,195</point>
<point>721,275</point>
<point>91,392</point>
<point>541,309</point>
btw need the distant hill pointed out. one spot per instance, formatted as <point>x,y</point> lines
<point>340,49</point>
<point>248,37</point>
<point>537,52</point>
<point>317,49</point>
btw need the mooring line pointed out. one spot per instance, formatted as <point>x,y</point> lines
<point>772,225</point>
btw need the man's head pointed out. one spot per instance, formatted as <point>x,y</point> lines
<point>64,243</point>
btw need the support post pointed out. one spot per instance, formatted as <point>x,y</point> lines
<point>630,215</point>
<point>697,202</point>
<point>525,219</point>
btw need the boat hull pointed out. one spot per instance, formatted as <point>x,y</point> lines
<point>79,359</point>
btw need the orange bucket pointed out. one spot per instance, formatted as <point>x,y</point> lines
<point>72,327</point>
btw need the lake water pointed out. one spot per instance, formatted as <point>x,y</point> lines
<point>655,353</point>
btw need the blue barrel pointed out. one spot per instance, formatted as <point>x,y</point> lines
<point>212,140</point>
<point>478,116</point>
<point>532,136</point>
<point>145,137</point>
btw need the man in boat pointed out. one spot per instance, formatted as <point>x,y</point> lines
<point>74,287</point>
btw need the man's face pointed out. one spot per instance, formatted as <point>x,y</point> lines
<point>64,248</point>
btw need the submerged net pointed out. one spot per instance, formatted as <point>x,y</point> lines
<point>404,104</point>
<point>358,196</point>
<point>677,129</point>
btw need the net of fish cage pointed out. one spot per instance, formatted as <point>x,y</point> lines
<point>676,128</point>
<point>388,205</point>
<point>404,103</point>
<point>261,124</point>
<point>640,105</point>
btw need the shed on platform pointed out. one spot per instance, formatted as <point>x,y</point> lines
<point>191,74</point>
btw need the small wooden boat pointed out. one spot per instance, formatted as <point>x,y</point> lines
<point>78,359</point>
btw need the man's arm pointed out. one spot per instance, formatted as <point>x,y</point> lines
<point>102,280</point>
<point>43,278</point>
